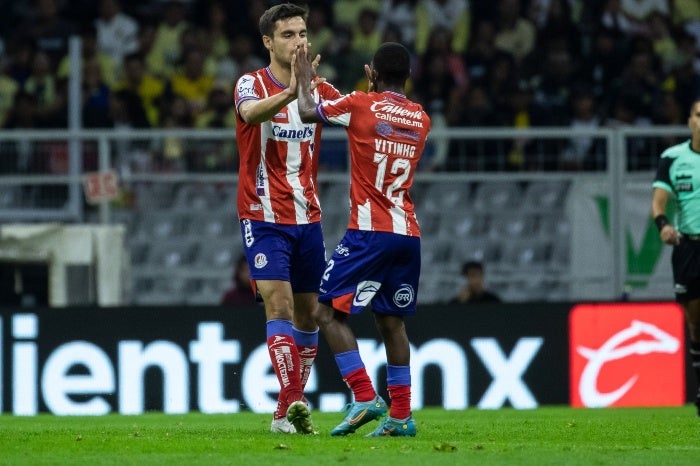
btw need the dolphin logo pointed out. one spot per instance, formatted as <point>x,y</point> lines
<point>615,348</point>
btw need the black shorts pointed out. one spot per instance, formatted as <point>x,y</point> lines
<point>685,261</point>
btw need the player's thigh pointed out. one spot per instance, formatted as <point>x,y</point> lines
<point>277,297</point>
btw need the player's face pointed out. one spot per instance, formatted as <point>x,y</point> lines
<point>289,33</point>
<point>694,119</point>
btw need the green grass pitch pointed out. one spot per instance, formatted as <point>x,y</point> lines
<point>543,436</point>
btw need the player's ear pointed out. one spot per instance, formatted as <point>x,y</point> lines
<point>267,42</point>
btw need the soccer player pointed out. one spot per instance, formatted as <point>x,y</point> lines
<point>279,209</point>
<point>678,175</point>
<point>378,259</point>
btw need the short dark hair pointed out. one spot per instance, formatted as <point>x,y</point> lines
<point>472,265</point>
<point>278,12</point>
<point>392,62</point>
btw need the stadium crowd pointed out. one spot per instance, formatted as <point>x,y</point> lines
<point>477,63</point>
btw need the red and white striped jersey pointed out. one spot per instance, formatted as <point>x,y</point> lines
<point>279,157</point>
<point>387,134</point>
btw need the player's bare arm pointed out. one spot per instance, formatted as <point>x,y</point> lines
<point>304,74</point>
<point>667,232</point>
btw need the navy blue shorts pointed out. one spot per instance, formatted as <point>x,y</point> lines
<point>371,266</point>
<point>292,253</point>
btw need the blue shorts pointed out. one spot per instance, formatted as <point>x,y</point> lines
<point>292,253</point>
<point>372,266</point>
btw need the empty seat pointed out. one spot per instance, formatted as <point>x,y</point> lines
<point>497,196</point>
<point>219,254</point>
<point>205,225</point>
<point>511,226</point>
<point>444,195</point>
<point>172,253</point>
<point>198,197</point>
<point>545,196</point>
<point>159,225</point>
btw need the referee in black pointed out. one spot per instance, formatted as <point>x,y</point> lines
<point>678,177</point>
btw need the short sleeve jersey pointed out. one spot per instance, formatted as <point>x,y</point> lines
<point>679,174</point>
<point>387,134</point>
<point>279,157</point>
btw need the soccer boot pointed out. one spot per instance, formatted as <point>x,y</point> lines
<point>282,426</point>
<point>395,428</point>
<point>299,415</point>
<point>359,414</point>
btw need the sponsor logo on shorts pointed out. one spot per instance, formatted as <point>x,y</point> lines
<point>342,250</point>
<point>364,292</point>
<point>679,289</point>
<point>248,233</point>
<point>260,260</point>
<point>404,296</point>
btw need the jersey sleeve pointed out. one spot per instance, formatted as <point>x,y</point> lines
<point>246,89</point>
<point>663,174</point>
<point>336,112</point>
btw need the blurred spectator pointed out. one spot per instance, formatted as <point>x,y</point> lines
<point>215,31</point>
<point>145,88</point>
<point>514,33</point>
<point>347,12</point>
<point>126,110</point>
<point>219,112</point>
<point>90,53</point>
<point>22,113</point>
<point>95,96</point>
<point>481,50</point>
<point>239,61</point>
<point>605,62</point>
<point>366,36</point>
<point>117,33</point>
<point>400,14</point>
<point>640,10</point>
<point>558,24</point>
<point>348,63</point>
<point>552,87</point>
<point>241,291</point>
<point>639,84</point>
<point>19,61</point>
<point>47,31</point>
<point>193,83</point>
<point>583,152</point>
<point>663,42</point>
<point>42,84</point>
<point>453,15</point>
<point>164,55</point>
<point>8,89</point>
<point>614,17</point>
<point>474,291</point>
<point>319,26</point>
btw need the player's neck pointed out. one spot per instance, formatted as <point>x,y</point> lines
<point>398,90</point>
<point>281,72</point>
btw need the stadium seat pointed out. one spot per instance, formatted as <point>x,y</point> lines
<point>497,196</point>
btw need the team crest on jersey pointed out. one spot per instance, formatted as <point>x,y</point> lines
<point>404,296</point>
<point>384,129</point>
<point>260,260</point>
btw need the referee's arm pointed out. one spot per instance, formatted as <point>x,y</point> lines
<point>667,232</point>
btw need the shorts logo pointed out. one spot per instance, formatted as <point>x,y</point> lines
<point>248,233</point>
<point>679,289</point>
<point>625,354</point>
<point>364,292</point>
<point>260,260</point>
<point>404,296</point>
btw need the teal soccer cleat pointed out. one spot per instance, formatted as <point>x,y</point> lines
<point>359,414</point>
<point>395,428</point>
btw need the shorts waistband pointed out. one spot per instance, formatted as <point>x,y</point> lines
<point>691,237</point>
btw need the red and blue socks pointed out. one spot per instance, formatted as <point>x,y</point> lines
<point>352,369</point>
<point>398,380</point>
<point>285,361</point>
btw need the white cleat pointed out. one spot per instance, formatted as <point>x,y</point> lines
<point>282,426</point>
